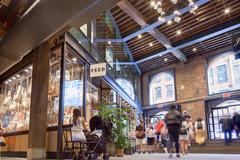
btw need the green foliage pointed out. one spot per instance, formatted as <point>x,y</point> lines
<point>118,117</point>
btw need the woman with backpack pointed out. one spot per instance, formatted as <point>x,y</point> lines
<point>185,135</point>
<point>200,131</point>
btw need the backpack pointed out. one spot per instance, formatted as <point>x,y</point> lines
<point>183,130</point>
<point>199,125</point>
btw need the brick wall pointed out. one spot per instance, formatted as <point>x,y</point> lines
<point>191,83</point>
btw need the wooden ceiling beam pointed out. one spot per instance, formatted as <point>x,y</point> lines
<point>132,12</point>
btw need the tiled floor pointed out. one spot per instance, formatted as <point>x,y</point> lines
<point>165,157</point>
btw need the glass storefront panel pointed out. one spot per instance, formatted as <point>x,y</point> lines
<point>73,96</point>
<point>15,99</point>
<point>92,97</point>
<point>54,88</point>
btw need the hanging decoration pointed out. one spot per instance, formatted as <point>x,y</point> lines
<point>157,5</point>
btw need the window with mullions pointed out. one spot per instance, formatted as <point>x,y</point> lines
<point>162,88</point>
<point>158,93</point>
<point>223,73</point>
<point>169,90</point>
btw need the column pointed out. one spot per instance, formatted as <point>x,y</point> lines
<point>39,103</point>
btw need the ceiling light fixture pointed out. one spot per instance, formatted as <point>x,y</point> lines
<point>150,44</point>
<point>26,70</point>
<point>165,59</point>
<point>179,32</point>
<point>18,75</point>
<point>139,36</point>
<point>194,49</point>
<point>157,5</point>
<point>169,22</point>
<point>13,78</point>
<point>109,42</point>
<point>74,59</point>
<point>30,67</point>
<point>227,11</point>
<point>6,82</point>
<point>9,80</point>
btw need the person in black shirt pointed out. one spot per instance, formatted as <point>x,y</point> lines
<point>236,123</point>
<point>173,122</point>
<point>227,128</point>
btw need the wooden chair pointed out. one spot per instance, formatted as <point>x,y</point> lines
<point>71,148</point>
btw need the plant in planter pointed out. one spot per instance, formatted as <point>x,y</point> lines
<point>118,117</point>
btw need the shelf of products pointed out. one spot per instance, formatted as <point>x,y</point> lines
<point>15,101</point>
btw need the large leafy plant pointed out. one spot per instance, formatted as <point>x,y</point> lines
<point>118,117</point>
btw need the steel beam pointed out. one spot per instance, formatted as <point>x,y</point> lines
<point>190,43</point>
<point>132,12</point>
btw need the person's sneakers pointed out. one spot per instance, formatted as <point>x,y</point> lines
<point>170,155</point>
<point>178,155</point>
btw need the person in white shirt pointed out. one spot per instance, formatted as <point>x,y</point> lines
<point>150,133</point>
<point>78,126</point>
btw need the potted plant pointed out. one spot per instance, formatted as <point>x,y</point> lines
<point>118,117</point>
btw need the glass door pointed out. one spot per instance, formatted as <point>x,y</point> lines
<point>226,108</point>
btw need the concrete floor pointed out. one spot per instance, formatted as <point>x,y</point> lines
<point>188,157</point>
<point>165,157</point>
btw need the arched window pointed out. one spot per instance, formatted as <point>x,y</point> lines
<point>223,73</point>
<point>162,88</point>
<point>127,87</point>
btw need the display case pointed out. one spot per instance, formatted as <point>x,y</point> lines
<point>15,99</point>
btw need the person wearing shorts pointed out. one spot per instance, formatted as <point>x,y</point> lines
<point>140,135</point>
<point>150,133</point>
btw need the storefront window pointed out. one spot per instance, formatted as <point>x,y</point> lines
<point>162,88</point>
<point>73,97</point>
<point>223,73</point>
<point>15,100</point>
<point>54,88</point>
<point>92,97</point>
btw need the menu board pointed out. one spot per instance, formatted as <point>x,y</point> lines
<point>73,93</point>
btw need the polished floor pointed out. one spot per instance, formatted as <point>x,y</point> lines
<point>188,157</point>
<point>165,157</point>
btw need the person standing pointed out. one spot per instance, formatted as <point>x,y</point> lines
<point>236,123</point>
<point>158,128</point>
<point>185,135</point>
<point>173,122</point>
<point>227,128</point>
<point>150,133</point>
<point>200,131</point>
<point>140,135</point>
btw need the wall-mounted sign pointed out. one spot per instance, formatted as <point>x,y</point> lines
<point>97,70</point>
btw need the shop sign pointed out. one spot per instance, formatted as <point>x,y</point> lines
<point>226,95</point>
<point>98,70</point>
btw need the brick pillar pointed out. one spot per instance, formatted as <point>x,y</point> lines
<point>39,103</point>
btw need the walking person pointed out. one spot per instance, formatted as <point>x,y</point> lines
<point>185,135</point>
<point>158,128</point>
<point>173,122</point>
<point>140,135</point>
<point>150,133</point>
<point>227,128</point>
<point>200,131</point>
<point>236,123</point>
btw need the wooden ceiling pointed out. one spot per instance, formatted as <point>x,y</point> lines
<point>10,12</point>
<point>207,17</point>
